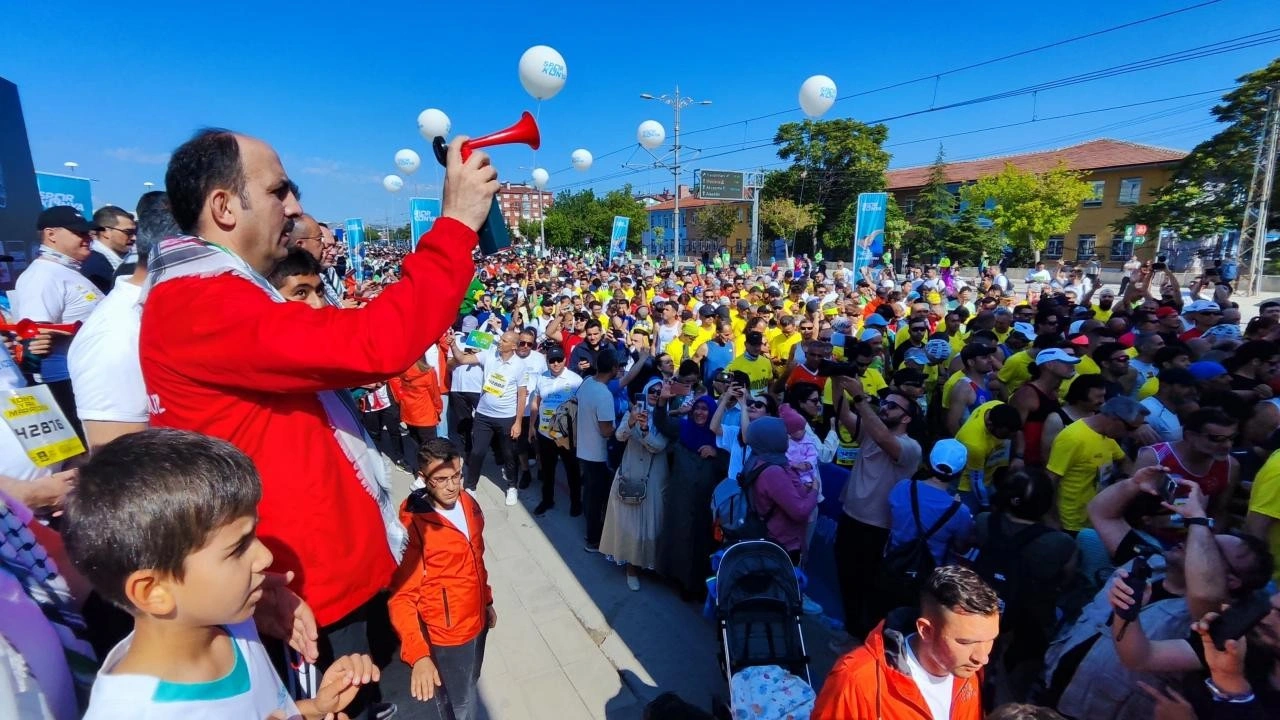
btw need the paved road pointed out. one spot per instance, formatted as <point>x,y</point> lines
<point>572,641</point>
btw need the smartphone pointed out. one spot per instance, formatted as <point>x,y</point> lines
<point>1169,489</point>
<point>1239,619</point>
<point>1139,575</point>
<point>679,388</point>
<point>637,399</point>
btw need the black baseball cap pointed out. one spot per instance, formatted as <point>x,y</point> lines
<point>754,338</point>
<point>555,353</point>
<point>974,350</point>
<point>64,216</point>
<point>706,311</point>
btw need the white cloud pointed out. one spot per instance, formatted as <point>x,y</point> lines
<point>137,155</point>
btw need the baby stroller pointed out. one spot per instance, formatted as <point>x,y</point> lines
<point>758,608</point>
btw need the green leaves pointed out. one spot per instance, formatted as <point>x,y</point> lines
<point>576,217</point>
<point>1030,207</point>
<point>716,222</point>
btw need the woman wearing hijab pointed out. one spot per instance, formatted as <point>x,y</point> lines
<point>697,465</point>
<point>784,500</point>
<point>631,529</point>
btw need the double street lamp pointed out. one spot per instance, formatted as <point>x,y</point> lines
<point>677,103</point>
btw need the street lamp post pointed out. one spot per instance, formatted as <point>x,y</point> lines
<point>71,166</point>
<point>148,185</point>
<point>677,103</point>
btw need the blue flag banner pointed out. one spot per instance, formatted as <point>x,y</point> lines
<point>869,231</point>
<point>65,190</point>
<point>355,246</point>
<point>422,215</point>
<point>618,240</point>
<point>779,249</point>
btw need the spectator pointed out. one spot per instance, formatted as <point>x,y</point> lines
<point>116,231</point>
<point>53,290</point>
<point>441,603</point>
<point>221,355</point>
<point>552,388</point>
<point>915,511</point>
<point>499,416</point>
<point>632,530</point>
<point>111,398</point>
<point>929,668</point>
<point>781,497</point>
<point>697,464</point>
<point>595,424</point>
<point>887,454</point>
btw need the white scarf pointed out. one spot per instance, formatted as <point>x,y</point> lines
<point>48,253</point>
<point>194,257</point>
<point>111,255</point>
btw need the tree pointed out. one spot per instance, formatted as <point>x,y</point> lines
<point>1211,184</point>
<point>371,234</point>
<point>967,242</point>
<point>402,233</point>
<point>831,162</point>
<point>1027,208</point>
<point>933,215</point>
<point>784,218</point>
<point>716,222</point>
<point>528,229</point>
<point>576,217</point>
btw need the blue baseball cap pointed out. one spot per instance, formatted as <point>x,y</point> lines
<point>948,457</point>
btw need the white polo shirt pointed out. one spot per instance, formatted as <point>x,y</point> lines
<point>554,391</point>
<point>534,365</point>
<point>50,292</point>
<point>502,380</point>
<point>103,359</point>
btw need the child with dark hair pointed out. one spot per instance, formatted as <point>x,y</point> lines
<point>297,277</point>
<point>441,603</point>
<point>162,522</point>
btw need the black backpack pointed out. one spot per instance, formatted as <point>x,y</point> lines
<point>1001,563</point>
<point>906,567</point>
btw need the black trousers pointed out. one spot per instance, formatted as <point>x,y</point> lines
<point>459,667</point>
<point>492,433</point>
<point>344,637</point>
<point>549,453</point>
<point>462,408</point>
<point>859,551</point>
<point>596,483</point>
<point>384,427</point>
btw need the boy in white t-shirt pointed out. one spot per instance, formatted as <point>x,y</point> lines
<point>162,522</point>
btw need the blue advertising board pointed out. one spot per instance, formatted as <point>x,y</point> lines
<point>422,215</point>
<point>65,190</point>
<point>355,246</point>
<point>868,232</point>
<point>618,239</point>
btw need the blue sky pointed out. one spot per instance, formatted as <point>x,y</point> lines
<point>337,87</point>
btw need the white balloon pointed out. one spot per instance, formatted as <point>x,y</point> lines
<point>407,161</point>
<point>651,134</point>
<point>542,72</point>
<point>540,177</point>
<point>817,95</point>
<point>581,159</point>
<point>392,183</point>
<point>433,124</point>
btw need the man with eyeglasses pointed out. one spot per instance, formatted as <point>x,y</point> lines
<point>1203,456</point>
<point>112,241</point>
<point>1113,364</point>
<point>1202,314</point>
<point>535,363</point>
<point>1086,456</point>
<point>887,454</point>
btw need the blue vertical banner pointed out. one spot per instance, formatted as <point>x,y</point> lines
<point>355,246</point>
<point>618,239</point>
<point>868,232</point>
<point>422,215</point>
<point>65,190</point>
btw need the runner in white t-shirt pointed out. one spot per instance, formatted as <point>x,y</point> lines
<point>499,417</point>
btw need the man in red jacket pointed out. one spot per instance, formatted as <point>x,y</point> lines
<point>929,670</point>
<point>224,355</point>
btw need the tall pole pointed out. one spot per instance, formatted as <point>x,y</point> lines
<point>1254,228</point>
<point>675,170</point>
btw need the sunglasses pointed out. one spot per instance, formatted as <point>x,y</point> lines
<point>134,232</point>
<point>756,404</point>
<point>555,360</point>
<point>891,404</point>
<point>525,343</point>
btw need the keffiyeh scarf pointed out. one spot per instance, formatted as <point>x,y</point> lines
<point>194,257</point>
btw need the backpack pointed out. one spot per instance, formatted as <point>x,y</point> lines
<point>562,423</point>
<point>906,567</point>
<point>1001,564</point>
<point>733,505</point>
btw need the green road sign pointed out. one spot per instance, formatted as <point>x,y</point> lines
<point>720,185</point>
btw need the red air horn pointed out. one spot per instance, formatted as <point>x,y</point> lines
<point>28,329</point>
<point>494,235</point>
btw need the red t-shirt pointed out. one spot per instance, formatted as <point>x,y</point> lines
<point>220,357</point>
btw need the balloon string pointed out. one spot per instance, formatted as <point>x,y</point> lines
<point>537,115</point>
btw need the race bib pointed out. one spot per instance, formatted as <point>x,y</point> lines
<point>495,384</point>
<point>847,456</point>
<point>41,428</point>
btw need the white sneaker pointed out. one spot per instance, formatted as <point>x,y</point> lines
<point>633,582</point>
<point>513,496</point>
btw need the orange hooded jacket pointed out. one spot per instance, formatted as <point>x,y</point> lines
<point>439,596</point>
<point>873,682</point>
